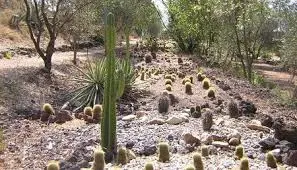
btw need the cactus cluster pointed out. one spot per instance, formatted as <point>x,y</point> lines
<point>233,110</point>
<point>207,120</point>
<point>204,151</point>
<point>168,81</point>
<point>239,152</point>
<point>195,112</point>
<point>198,163</point>
<point>97,112</point>
<point>244,164</point>
<point>270,160</point>
<point>185,80</point>
<point>200,77</point>
<point>168,87</point>
<point>149,166</point>
<point>164,103</point>
<point>122,156</point>
<point>99,160</point>
<point>88,111</point>
<point>206,83</point>
<point>188,88</point>
<point>164,155</point>
<point>53,166</point>
<point>211,93</point>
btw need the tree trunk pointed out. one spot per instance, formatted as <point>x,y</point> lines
<point>74,51</point>
<point>48,63</point>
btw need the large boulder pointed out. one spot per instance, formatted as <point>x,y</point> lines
<point>247,108</point>
<point>291,158</point>
<point>284,131</point>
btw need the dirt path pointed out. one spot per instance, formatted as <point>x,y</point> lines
<point>274,74</point>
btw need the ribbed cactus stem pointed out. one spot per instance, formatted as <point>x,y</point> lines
<point>108,126</point>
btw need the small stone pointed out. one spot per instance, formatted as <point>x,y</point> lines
<point>156,121</point>
<point>220,144</point>
<point>129,118</point>
<point>186,110</point>
<point>217,137</point>
<point>149,150</point>
<point>206,139</point>
<point>191,139</point>
<point>140,114</point>
<point>234,142</point>
<point>234,134</point>
<point>174,120</point>
<point>130,144</point>
<point>268,143</point>
<point>256,125</point>
<point>185,114</point>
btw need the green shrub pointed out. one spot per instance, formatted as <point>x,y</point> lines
<point>164,155</point>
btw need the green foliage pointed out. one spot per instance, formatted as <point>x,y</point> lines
<point>47,108</point>
<point>285,97</point>
<point>239,152</point>
<point>198,163</point>
<point>270,160</point>
<point>99,160</point>
<point>258,79</point>
<point>53,166</point>
<point>164,155</point>
<point>122,156</point>
<point>149,166</point>
<point>188,88</point>
<point>244,164</point>
<point>204,151</point>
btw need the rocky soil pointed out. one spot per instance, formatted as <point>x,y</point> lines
<point>30,144</point>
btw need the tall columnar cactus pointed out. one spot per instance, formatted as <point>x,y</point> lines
<point>111,91</point>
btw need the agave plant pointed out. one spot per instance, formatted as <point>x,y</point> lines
<point>93,78</point>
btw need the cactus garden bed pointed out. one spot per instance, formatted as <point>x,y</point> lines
<point>198,117</point>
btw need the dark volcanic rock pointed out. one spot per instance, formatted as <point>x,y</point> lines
<point>266,120</point>
<point>291,158</point>
<point>247,108</point>
<point>284,131</point>
<point>268,143</point>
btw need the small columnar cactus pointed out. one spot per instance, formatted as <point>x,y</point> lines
<point>164,152</point>
<point>185,80</point>
<point>149,73</point>
<point>233,109</point>
<point>164,103</point>
<point>168,81</point>
<point>200,77</point>
<point>168,87</point>
<point>122,156</point>
<point>198,109</point>
<point>53,166</point>
<point>47,108</point>
<point>270,160</point>
<point>149,166</point>
<point>190,167</point>
<point>88,111</point>
<point>211,93</point>
<point>198,163</point>
<point>204,151</point>
<point>206,83</point>
<point>239,152</point>
<point>188,88</point>
<point>168,76</point>
<point>99,160</point>
<point>97,112</point>
<point>142,76</point>
<point>207,120</point>
<point>192,110</point>
<point>191,79</point>
<point>244,164</point>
